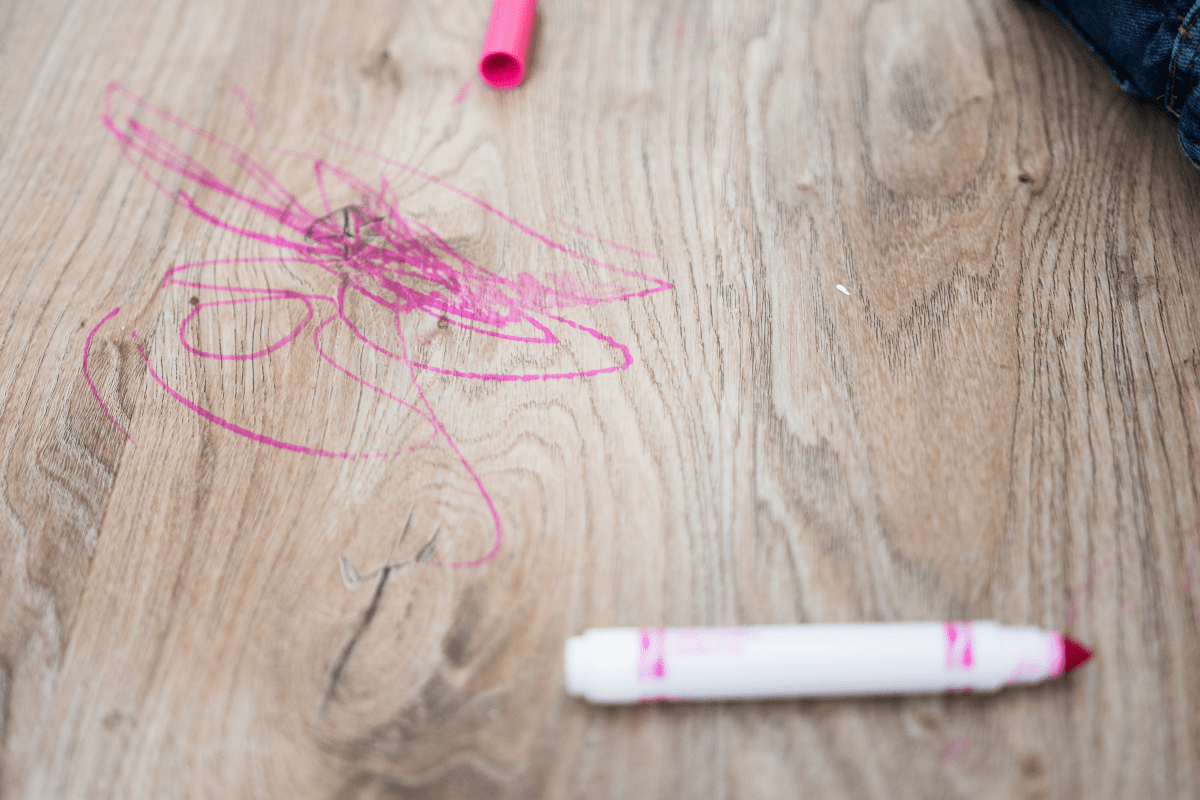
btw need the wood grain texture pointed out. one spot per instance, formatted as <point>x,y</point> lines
<point>999,421</point>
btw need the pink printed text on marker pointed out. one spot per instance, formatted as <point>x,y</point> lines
<point>958,645</point>
<point>651,663</point>
<point>502,62</point>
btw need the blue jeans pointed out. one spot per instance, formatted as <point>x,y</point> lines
<point>1150,48</point>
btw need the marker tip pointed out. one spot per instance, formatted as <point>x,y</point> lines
<point>1074,653</point>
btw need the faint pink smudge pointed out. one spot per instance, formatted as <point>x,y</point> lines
<point>240,93</point>
<point>698,31</point>
<point>370,259</point>
<point>613,245</point>
<point>462,94</point>
<point>249,434</point>
<point>955,749</point>
<point>1081,592</point>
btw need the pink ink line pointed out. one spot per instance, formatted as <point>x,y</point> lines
<point>242,300</point>
<point>341,316</point>
<point>277,443</point>
<point>249,434</point>
<point>144,141</point>
<point>608,242</point>
<point>248,105</point>
<point>487,498</point>
<point>168,280</point>
<point>87,347</point>
<point>462,94</point>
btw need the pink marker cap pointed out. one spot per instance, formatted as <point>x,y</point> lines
<point>502,63</point>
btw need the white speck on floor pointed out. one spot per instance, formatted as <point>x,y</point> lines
<point>843,290</point>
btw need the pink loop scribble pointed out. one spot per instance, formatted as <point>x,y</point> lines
<point>377,255</point>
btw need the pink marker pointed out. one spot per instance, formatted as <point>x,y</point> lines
<point>632,665</point>
<point>502,63</point>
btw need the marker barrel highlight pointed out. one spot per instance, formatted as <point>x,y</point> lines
<point>631,665</point>
<point>502,62</point>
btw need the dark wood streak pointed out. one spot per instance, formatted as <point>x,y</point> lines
<point>339,665</point>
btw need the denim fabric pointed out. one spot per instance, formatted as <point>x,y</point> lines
<point>1150,48</point>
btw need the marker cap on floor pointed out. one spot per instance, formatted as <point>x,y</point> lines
<point>502,62</point>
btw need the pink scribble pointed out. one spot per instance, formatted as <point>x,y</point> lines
<point>462,94</point>
<point>378,257</point>
<point>959,640</point>
<point>249,434</point>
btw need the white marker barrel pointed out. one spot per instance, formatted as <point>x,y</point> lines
<point>630,665</point>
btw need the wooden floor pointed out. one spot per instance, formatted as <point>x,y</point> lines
<point>277,523</point>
